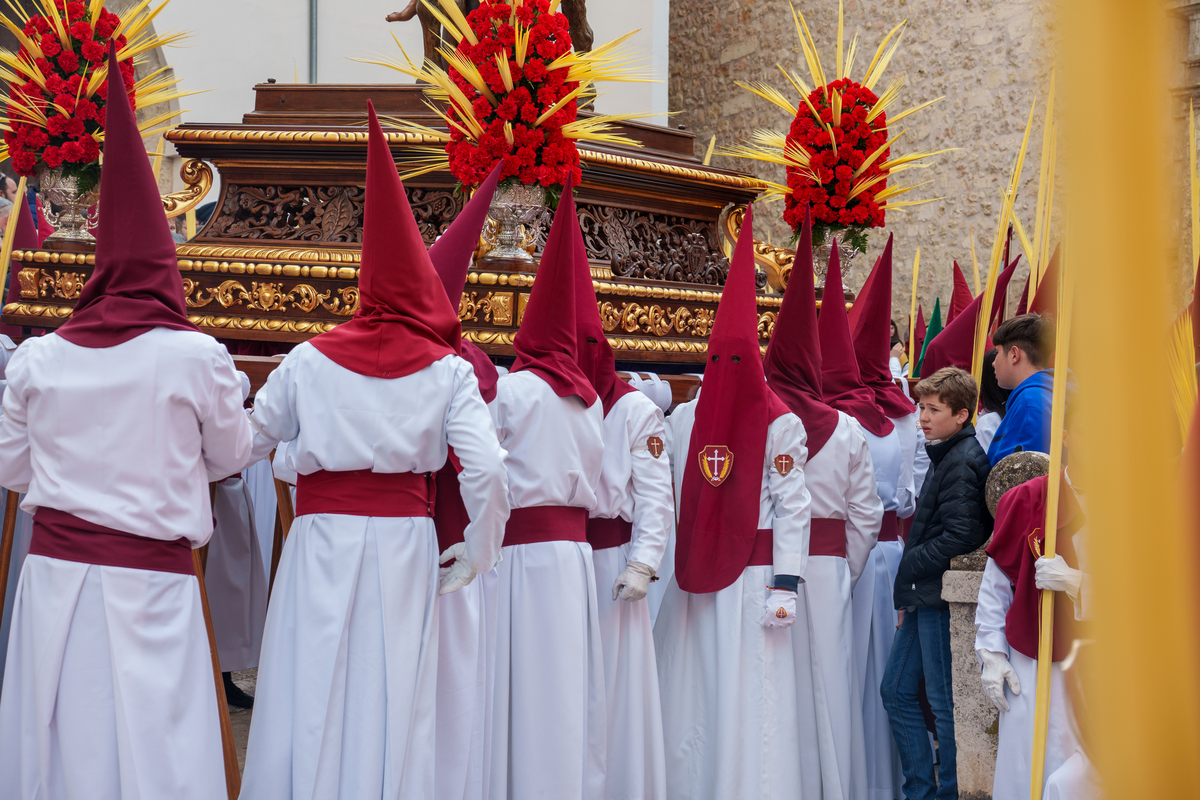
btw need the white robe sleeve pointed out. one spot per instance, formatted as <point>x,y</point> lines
<point>864,509</point>
<point>789,496</point>
<point>225,433</point>
<point>906,487</point>
<point>16,468</point>
<point>652,491</point>
<point>995,598</point>
<point>274,418</point>
<point>483,481</point>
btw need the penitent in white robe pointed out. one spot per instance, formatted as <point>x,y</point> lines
<point>548,718</point>
<point>108,687</point>
<point>729,685</point>
<point>235,578</point>
<point>874,608</point>
<point>345,695</point>
<point>1014,751</point>
<point>21,533</point>
<point>635,485</point>
<point>841,482</point>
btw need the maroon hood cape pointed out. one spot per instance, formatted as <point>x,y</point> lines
<point>961,297</point>
<point>545,342</point>
<point>873,339</point>
<point>596,358</point>
<point>404,321</point>
<point>722,479</point>
<point>136,286</point>
<point>1019,539</point>
<point>451,256</point>
<point>841,383</point>
<point>24,238</point>
<point>793,361</point>
<point>955,345</point>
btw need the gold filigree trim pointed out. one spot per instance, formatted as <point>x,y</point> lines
<point>263,324</point>
<point>271,296</point>
<point>656,320</point>
<point>495,307</point>
<point>198,178</point>
<point>47,257</point>
<point>31,310</point>
<point>286,270</point>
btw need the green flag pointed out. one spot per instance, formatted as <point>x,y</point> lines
<point>935,327</point>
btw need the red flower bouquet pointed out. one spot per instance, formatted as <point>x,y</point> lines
<point>511,91</point>
<point>836,154</point>
<point>58,85</point>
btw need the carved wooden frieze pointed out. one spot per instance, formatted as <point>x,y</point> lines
<point>650,246</point>
<point>331,214</point>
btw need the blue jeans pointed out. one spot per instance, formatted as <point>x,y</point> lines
<point>921,649</point>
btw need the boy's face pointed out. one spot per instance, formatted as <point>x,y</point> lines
<point>937,420</point>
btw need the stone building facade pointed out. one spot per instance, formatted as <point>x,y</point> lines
<point>989,58</point>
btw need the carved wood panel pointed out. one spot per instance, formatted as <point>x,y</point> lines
<point>332,214</point>
<point>640,244</point>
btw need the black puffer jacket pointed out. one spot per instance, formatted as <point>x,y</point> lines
<point>951,519</point>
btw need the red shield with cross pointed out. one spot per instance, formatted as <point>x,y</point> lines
<point>784,463</point>
<point>655,446</point>
<point>716,462</point>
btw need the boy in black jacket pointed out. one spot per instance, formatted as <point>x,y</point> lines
<point>951,519</point>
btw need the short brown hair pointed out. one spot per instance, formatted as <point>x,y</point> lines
<point>1032,333</point>
<point>952,386</point>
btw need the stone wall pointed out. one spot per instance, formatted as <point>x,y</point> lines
<point>990,58</point>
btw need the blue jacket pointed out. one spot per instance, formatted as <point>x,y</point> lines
<point>1026,422</point>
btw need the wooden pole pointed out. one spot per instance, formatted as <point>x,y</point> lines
<point>1142,691</point>
<point>233,777</point>
<point>912,315</point>
<point>6,542</point>
<point>1041,715</point>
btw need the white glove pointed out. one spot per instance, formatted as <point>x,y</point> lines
<point>633,583</point>
<point>458,574</point>
<point>1055,575</point>
<point>780,609</point>
<point>997,670</point>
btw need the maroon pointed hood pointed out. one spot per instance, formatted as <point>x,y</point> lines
<point>722,479</point>
<point>841,383</point>
<point>136,285</point>
<point>873,339</point>
<point>955,345</point>
<point>546,341</point>
<point>919,331</point>
<point>1045,299</point>
<point>24,238</point>
<point>404,322</point>
<point>596,358</point>
<point>451,256</point>
<point>961,297</point>
<point>793,360</point>
<point>1023,303</point>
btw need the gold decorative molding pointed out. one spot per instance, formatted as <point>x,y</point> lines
<point>198,178</point>
<point>208,252</point>
<point>270,324</point>
<point>35,283</point>
<point>31,310</point>
<point>47,257</point>
<point>286,270</point>
<point>274,137</point>
<point>495,307</point>
<point>271,296</point>
<point>766,324</point>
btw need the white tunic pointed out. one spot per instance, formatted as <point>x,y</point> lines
<point>21,533</point>
<point>874,610</point>
<point>729,685</point>
<point>548,724</point>
<point>675,448</point>
<point>841,481</point>
<point>635,485</point>
<point>986,425</point>
<point>346,681</point>
<point>108,685</point>
<point>1015,749</point>
<point>235,577</point>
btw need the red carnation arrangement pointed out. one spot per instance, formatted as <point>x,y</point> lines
<point>840,193</point>
<point>511,91</point>
<point>56,105</point>
<point>517,127</point>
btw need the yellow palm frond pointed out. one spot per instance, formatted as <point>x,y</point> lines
<point>1182,359</point>
<point>770,94</point>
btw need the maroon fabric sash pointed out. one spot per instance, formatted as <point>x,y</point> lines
<point>57,534</point>
<point>363,493</point>
<point>763,554</point>
<point>827,538</point>
<point>546,524</point>
<point>890,531</point>
<point>603,533</point>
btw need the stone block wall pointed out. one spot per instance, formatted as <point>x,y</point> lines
<point>990,58</point>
